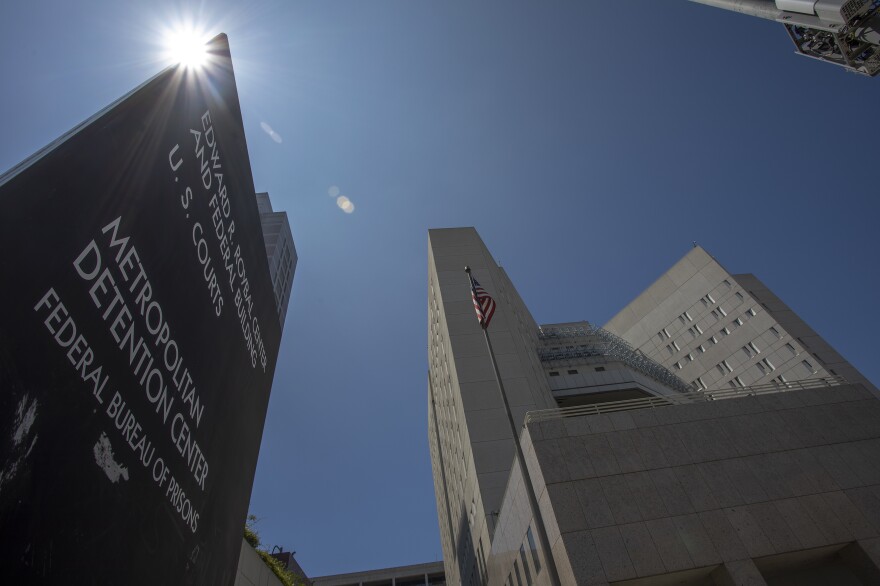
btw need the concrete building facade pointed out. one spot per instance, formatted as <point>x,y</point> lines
<point>471,443</point>
<point>642,478</point>
<point>780,488</point>
<point>718,330</point>
<point>429,574</point>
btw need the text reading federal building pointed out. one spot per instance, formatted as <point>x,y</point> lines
<point>141,324</point>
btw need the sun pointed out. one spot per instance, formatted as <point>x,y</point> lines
<point>186,47</point>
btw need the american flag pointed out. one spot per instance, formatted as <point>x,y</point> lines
<point>484,305</point>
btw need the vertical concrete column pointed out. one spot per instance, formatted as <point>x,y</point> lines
<point>738,573</point>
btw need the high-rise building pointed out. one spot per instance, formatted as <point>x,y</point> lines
<point>718,330</point>
<point>472,446</point>
<point>639,477</point>
<point>280,251</point>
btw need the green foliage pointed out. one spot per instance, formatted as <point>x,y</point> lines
<point>250,535</point>
<point>287,578</point>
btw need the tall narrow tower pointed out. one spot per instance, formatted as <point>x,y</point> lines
<point>541,367</point>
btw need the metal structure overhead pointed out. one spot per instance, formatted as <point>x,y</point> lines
<point>841,32</point>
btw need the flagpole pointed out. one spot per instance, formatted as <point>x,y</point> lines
<point>530,489</point>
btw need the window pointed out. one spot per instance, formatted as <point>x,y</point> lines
<point>688,316</point>
<point>747,351</point>
<point>701,348</point>
<point>519,581</point>
<point>554,373</point>
<point>807,364</point>
<point>713,340</point>
<point>816,356</point>
<point>761,368</point>
<point>724,331</point>
<point>721,369</point>
<point>732,384</point>
<point>692,333</point>
<point>737,322</point>
<point>721,311</point>
<point>690,357</point>
<point>660,335</point>
<point>769,365</point>
<point>696,327</point>
<point>484,578</point>
<point>726,283</point>
<point>534,549</point>
<point>709,297</point>
<point>572,372</point>
<point>831,370</point>
<point>600,369</point>
<point>669,349</point>
<point>751,311</point>
<point>681,319</point>
<point>754,348</point>
<point>738,381</point>
<point>791,349</point>
<point>775,332</point>
<point>525,565</point>
<point>675,344</point>
<point>665,332</point>
<point>678,365</point>
<point>699,383</point>
<point>739,295</point>
<point>714,314</point>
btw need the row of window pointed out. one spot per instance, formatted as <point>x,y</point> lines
<point>764,367</point>
<point>695,330</point>
<point>575,371</point>
<point>515,578</point>
<point>707,300</point>
<point>718,312</point>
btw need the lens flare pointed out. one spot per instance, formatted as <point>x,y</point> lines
<point>345,204</point>
<point>186,47</point>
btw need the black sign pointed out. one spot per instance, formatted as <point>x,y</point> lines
<point>138,341</point>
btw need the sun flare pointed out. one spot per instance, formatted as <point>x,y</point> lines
<point>186,47</point>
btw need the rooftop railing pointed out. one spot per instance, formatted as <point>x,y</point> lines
<point>682,399</point>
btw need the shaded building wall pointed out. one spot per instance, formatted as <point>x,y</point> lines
<point>252,570</point>
<point>805,337</point>
<point>471,444</point>
<point>749,490</point>
<point>280,251</point>
<point>428,574</point>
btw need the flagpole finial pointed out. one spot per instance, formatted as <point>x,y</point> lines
<point>467,269</point>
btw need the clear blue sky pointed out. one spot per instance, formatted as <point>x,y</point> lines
<point>589,142</point>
